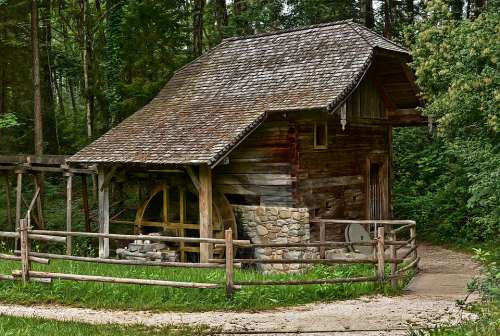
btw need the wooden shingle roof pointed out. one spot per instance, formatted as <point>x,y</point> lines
<point>210,104</point>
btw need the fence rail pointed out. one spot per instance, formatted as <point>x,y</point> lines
<point>384,242</point>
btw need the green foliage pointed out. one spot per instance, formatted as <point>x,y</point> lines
<point>448,181</point>
<point>8,120</point>
<point>25,326</point>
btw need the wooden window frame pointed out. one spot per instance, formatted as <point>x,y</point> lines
<point>325,126</point>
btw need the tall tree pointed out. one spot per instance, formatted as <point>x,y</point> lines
<point>199,6</point>
<point>89,97</point>
<point>457,7</point>
<point>241,18</point>
<point>388,18</point>
<point>37,99</point>
<point>221,18</point>
<point>113,61</point>
<point>367,16</point>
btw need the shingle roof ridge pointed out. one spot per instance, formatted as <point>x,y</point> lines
<point>358,25</point>
<point>290,30</point>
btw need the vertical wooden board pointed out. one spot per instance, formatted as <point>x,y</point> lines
<point>7,201</point>
<point>229,263</point>
<point>69,197</point>
<point>103,199</point>
<point>205,204</point>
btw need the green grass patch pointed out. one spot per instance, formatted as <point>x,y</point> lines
<point>23,326</point>
<point>135,297</point>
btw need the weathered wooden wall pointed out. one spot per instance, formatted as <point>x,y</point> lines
<point>259,170</point>
<point>277,165</point>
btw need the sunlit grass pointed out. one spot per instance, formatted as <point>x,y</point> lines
<point>135,297</point>
<point>24,326</point>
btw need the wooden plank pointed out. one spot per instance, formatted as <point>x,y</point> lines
<point>25,249</point>
<point>10,224</point>
<point>205,208</point>
<point>10,257</point>
<point>322,238</point>
<point>380,254</point>
<point>126,261</point>
<point>256,179</point>
<point>19,195</point>
<point>69,196</point>
<point>106,279</point>
<point>85,203</point>
<point>229,263</point>
<point>103,212</point>
<point>306,282</point>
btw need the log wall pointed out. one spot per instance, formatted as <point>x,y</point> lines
<point>278,164</point>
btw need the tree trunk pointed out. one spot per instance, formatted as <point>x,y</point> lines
<point>410,11</point>
<point>37,99</point>
<point>86,71</point>
<point>457,7</point>
<point>221,18</point>
<point>199,6</point>
<point>388,6</point>
<point>478,7</point>
<point>367,16</point>
<point>2,92</point>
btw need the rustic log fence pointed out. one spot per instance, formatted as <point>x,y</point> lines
<point>384,242</point>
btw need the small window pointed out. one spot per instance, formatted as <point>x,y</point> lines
<point>321,135</point>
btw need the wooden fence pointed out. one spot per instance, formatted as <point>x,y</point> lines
<point>387,250</point>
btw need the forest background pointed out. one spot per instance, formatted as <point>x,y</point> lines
<point>72,69</point>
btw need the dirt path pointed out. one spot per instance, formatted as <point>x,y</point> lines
<point>430,300</point>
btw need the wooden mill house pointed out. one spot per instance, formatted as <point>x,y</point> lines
<point>262,133</point>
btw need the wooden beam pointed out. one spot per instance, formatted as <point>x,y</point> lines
<point>205,207</point>
<point>7,201</point>
<point>103,199</point>
<point>19,201</point>
<point>69,196</point>
<point>85,201</point>
<point>193,177</point>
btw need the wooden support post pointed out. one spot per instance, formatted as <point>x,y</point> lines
<point>394,263</point>
<point>229,263</point>
<point>380,254</point>
<point>69,196</point>
<point>25,248</point>
<point>182,221</point>
<point>19,202</point>
<point>7,201</point>
<point>205,204</point>
<point>322,239</point>
<point>19,197</point>
<point>85,201</point>
<point>413,244</point>
<point>103,191</point>
<point>39,205</point>
<point>94,189</point>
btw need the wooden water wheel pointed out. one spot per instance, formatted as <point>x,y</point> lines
<point>174,211</point>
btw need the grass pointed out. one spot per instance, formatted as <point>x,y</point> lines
<point>135,297</point>
<point>22,326</point>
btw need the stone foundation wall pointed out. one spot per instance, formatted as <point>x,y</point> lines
<point>276,225</point>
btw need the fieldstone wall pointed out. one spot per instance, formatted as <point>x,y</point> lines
<point>276,225</point>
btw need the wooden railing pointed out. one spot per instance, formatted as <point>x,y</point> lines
<point>385,239</point>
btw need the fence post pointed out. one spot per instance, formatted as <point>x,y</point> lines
<point>413,244</point>
<point>380,254</point>
<point>322,239</point>
<point>229,263</point>
<point>25,247</point>
<point>394,264</point>
<point>69,187</point>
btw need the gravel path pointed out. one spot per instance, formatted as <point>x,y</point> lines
<point>429,300</point>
